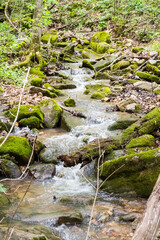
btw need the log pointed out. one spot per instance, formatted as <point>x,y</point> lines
<point>91,151</point>
<point>74,113</point>
<point>147,228</point>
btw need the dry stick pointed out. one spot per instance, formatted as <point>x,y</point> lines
<point>118,58</point>
<point>5,12</point>
<point>20,99</point>
<point>74,113</point>
<point>6,236</point>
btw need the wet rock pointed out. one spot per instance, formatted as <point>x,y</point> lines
<point>65,86</point>
<point>18,147</point>
<point>42,171</point>
<point>147,86</point>
<point>103,63</point>
<point>10,169</point>
<point>47,155</point>
<point>130,217</point>
<point>70,102</point>
<point>51,111</point>
<point>123,122</point>
<point>71,219</point>
<point>53,90</point>
<point>68,121</point>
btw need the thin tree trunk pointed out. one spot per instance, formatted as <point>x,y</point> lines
<point>147,228</point>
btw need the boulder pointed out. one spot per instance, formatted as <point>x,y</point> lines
<point>45,92</point>
<point>10,169</point>
<point>137,174</point>
<point>70,102</point>
<point>31,122</point>
<point>53,90</point>
<point>122,105</point>
<point>64,86</point>
<point>37,82</point>
<point>42,171</point>
<point>137,49</point>
<point>147,86</point>
<point>89,54</point>
<point>133,108</point>
<point>18,147</point>
<point>101,37</point>
<point>123,122</point>
<point>71,219</point>
<point>68,121</point>
<point>47,36</point>
<point>146,140</point>
<point>87,64</point>
<point>47,155</point>
<point>120,65</point>
<point>101,47</point>
<point>103,63</point>
<point>148,77</point>
<point>51,111</point>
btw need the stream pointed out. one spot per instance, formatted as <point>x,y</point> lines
<point>69,194</point>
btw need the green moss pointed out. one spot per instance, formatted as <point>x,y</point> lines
<point>137,108</point>
<point>3,200</point>
<point>86,92</point>
<point>139,172</point>
<point>122,123</point>
<point>111,50</point>
<point>1,90</point>
<point>53,90</point>
<point>101,47</point>
<point>100,75</point>
<point>120,65</point>
<point>53,60</point>
<point>25,111</point>
<point>89,54</point>
<point>137,49</point>
<point>87,64</point>
<point>18,147</point>
<point>37,72</point>
<point>62,44</point>
<point>46,104</point>
<point>97,95</point>
<point>86,42</point>
<point>148,77</point>
<point>45,38</point>
<point>36,81</point>
<point>134,66</point>
<point>70,102</point>
<point>97,86</point>
<point>31,122</point>
<point>106,90</point>
<point>153,69</point>
<point>101,37</point>
<point>157,91</point>
<point>142,141</point>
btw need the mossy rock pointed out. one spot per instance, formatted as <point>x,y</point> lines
<point>106,90</point>
<point>97,86</point>
<point>68,121</point>
<point>4,125</point>
<point>148,77</point>
<point>45,92</point>
<point>45,38</point>
<point>87,64</point>
<point>101,47</point>
<point>51,111</point>
<point>18,147</point>
<point>70,102</point>
<point>143,141</point>
<point>157,91</point>
<point>62,44</point>
<point>31,122</point>
<point>86,92</point>
<point>101,37</point>
<point>153,69</point>
<point>25,111</point>
<point>10,169</point>
<point>98,95</point>
<point>123,123</point>
<point>146,125</point>
<point>99,76</point>
<point>137,49</point>
<point>120,65</point>
<point>137,173</point>
<point>53,90</point>
<point>89,54</point>
<point>37,72</point>
<point>36,81</point>
<point>1,90</point>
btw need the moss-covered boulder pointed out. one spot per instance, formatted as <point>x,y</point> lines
<point>146,125</point>
<point>99,76</point>
<point>98,95</point>
<point>36,81</point>
<point>97,86</point>
<point>70,102</point>
<point>101,37</point>
<point>37,72</point>
<point>123,122</point>
<point>153,69</point>
<point>51,111</point>
<point>45,92</point>
<point>120,65</point>
<point>137,173</point>
<point>87,64</point>
<point>89,54</point>
<point>31,122</point>
<point>137,49</point>
<point>144,85</point>
<point>53,90</point>
<point>146,140</point>
<point>42,171</point>
<point>65,86</point>
<point>18,147</point>
<point>26,111</point>
<point>10,169</point>
<point>47,36</point>
<point>157,90</point>
<point>101,47</point>
<point>148,77</point>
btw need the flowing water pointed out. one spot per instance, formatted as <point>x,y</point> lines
<point>69,193</point>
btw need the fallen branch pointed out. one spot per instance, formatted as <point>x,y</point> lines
<point>144,64</point>
<point>120,57</point>
<point>74,113</point>
<point>9,20</point>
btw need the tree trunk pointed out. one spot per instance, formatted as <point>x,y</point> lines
<point>147,228</point>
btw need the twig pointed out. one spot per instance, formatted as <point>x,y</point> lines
<point>20,99</point>
<point>7,233</point>
<point>74,113</point>
<point>120,57</point>
<point>5,12</point>
<point>144,64</point>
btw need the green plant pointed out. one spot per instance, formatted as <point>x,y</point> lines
<point>2,188</point>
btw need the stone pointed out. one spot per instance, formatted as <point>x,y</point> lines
<point>122,105</point>
<point>37,72</point>
<point>18,147</point>
<point>10,169</point>
<point>130,217</point>
<point>89,54</point>
<point>147,86</point>
<point>37,82</point>
<point>47,155</point>
<point>87,64</point>
<point>123,122</point>
<point>101,47</point>
<point>148,77</point>
<point>133,108</point>
<point>47,36</point>
<point>137,49</point>
<point>53,90</point>
<point>146,140</point>
<point>101,37</point>
<point>72,219</point>
<point>45,92</point>
<point>70,102</point>
<point>65,86</point>
<point>103,63</point>
<point>68,121</point>
<point>120,65</point>
<point>42,171</point>
<point>51,111</point>
<point>157,90</point>
<point>31,122</point>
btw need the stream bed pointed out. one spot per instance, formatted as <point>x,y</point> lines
<point>64,203</point>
